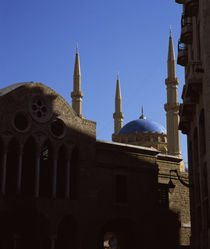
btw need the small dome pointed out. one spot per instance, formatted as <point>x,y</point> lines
<point>142,125</point>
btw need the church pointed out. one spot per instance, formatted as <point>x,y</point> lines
<point>62,188</point>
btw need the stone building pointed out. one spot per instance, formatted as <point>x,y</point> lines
<point>145,132</point>
<point>62,188</point>
<point>193,54</point>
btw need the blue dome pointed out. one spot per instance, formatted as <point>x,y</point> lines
<point>142,125</point>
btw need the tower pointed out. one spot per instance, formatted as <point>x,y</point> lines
<point>77,94</point>
<point>172,105</point>
<point>118,115</point>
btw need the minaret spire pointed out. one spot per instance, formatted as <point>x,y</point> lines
<point>172,105</point>
<point>118,115</point>
<point>171,58</point>
<point>77,94</point>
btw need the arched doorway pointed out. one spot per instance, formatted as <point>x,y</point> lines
<point>118,234</point>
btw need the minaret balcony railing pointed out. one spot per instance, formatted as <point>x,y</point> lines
<point>191,7</point>
<point>180,1</point>
<point>194,81</point>
<point>186,31</point>
<point>182,58</point>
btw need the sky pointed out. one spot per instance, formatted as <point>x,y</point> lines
<point>38,43</point>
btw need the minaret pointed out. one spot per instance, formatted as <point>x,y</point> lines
<point>77,94</point>
<point>172,105</point>
<point>118,115</point>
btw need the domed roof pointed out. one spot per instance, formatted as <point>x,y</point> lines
<point>142,125</point>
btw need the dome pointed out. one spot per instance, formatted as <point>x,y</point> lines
<point>142,125</point>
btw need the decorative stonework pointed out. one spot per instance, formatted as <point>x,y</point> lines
<point>39,110</point>
<point>147,139</point>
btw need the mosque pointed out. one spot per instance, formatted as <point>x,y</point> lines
<point>146,132</point>
<point>62,188</point>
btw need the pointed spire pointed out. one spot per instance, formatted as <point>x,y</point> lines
<point>171,58</point>
<point>118,91</point>
<point>142,113</point>
<point>77,94</point>
<point>77,49</point>
<point>118,115</point>
<point>77,63</point>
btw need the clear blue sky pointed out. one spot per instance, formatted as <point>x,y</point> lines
<point>38,43</point>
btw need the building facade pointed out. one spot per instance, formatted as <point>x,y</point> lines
<point>62,188</point>
<point>193,54</point>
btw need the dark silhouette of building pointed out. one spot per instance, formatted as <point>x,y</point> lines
<point>62,188</point>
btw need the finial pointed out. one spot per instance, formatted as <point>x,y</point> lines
<point>118,77</point>
<point>170,32</point>
<point>142,113</point>
<point>77,48</point>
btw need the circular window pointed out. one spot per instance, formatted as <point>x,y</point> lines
<point>21,122</point>
<point>39,110</point>
<point>57,128</point>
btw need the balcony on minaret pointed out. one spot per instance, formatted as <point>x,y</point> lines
<point>186,31</point>
<point>191,7</point>
<point>180,1</point>
<point>182,58</point>
<point>194,81</point>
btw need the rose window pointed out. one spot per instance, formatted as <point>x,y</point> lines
<point>39,110</point>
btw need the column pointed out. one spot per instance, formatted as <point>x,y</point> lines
<point>67,193</point>
<point>19,173</point>
<point>54,173</point>
<point>37,172</point>
<point>3,170</point>
<point>53,242</point>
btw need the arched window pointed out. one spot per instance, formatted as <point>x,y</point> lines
<point>67,234</point>
<point>28,167</point>
<point>74,174</point>
<point>12,167</point>
<point>61,172</point>
<point>46,170</point>
<point>202,137</point>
